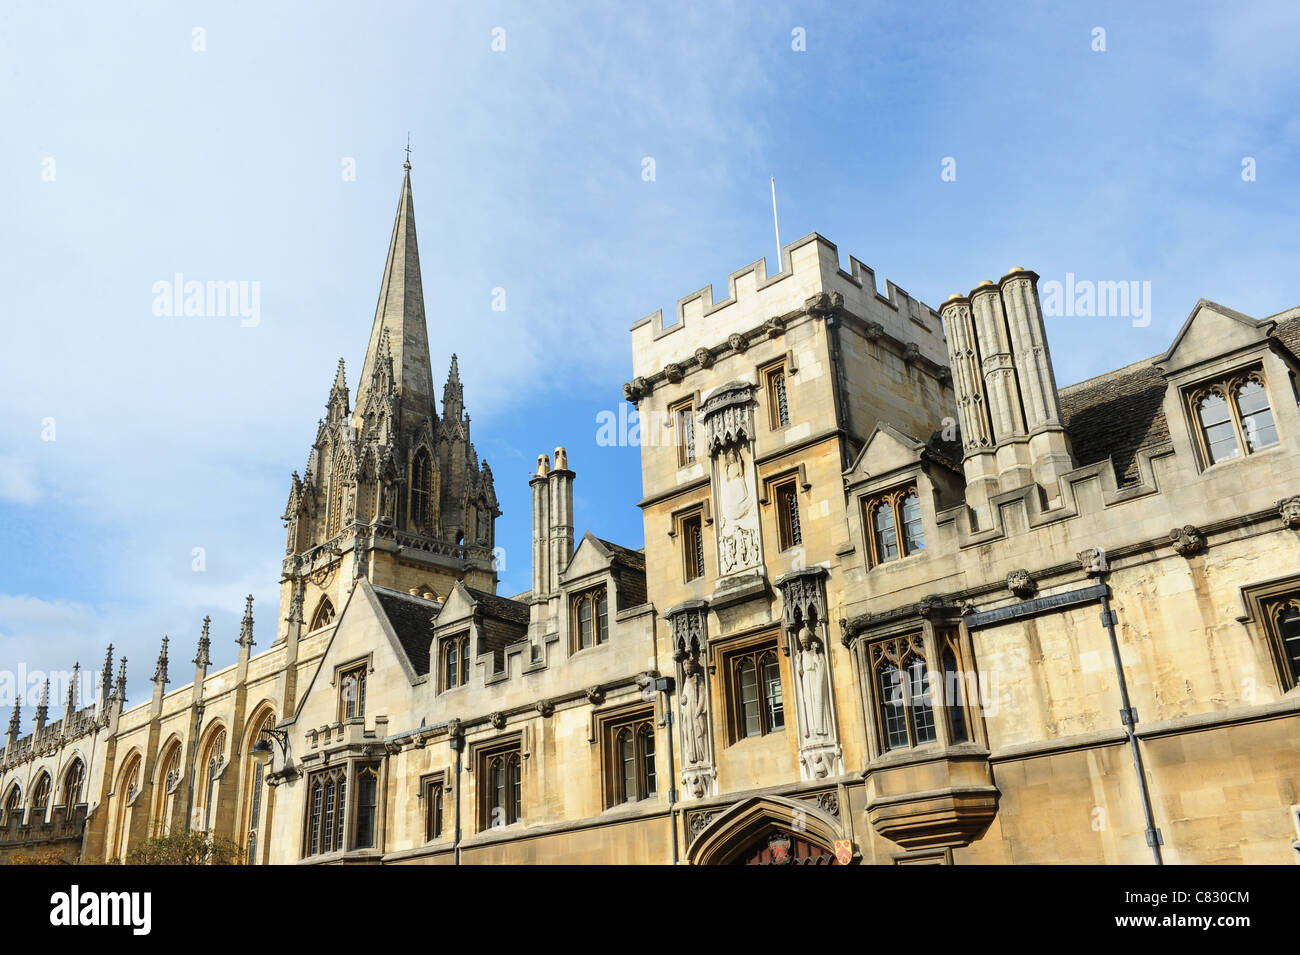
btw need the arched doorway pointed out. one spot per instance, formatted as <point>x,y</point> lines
<point>784,848</point>
<point>772,830</point>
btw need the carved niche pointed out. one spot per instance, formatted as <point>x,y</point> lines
<point>806,633</point>
<point>689,624</point>
<point>728,417</point>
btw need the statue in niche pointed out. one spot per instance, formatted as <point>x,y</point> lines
<point>386,502</point>
<point>812,682</point>
<point>738,543</point>
<point>694,716</point>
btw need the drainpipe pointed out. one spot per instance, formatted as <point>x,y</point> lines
<point>457,744</point>
<point>1128,715</point>
<point>672,767</point>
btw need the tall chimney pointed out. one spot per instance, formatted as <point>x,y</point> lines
<point>541,528</point>
<point>1049,444</point>
<point>1002,388</point>
<point>978,443</point>
<point>561,529</point>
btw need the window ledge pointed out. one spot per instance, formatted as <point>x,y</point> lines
<point>1243,458</point>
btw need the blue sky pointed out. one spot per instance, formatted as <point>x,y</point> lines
<point>225,163</point>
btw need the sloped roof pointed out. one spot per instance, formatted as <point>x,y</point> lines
<point>1115,416</point>
<point>412,620</point>
<point>635,559</point>
<point>1118,414</point>
<point>502,608</point>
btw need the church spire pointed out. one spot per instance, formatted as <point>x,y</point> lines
<point>400,312</point>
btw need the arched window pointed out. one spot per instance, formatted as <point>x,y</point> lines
<point>1216,427</point>
<point>352,693</point>
<point>40,797</point>
<point>455,661</point>
<point>255,773</point>
<point>634,755</point>
<point>367,807</point>
<point>324,614</point>
<point>338,496</point>
<point>503,790</point>
<point>591,618</point>
<point>913,535</point>
<point>1233,416</point>
<point>954,690</point>
<point>1257,425</point>
<point>326,802</point>
<point>755,688</point>
<point>882,520</point>
<point>128,787</point>
<point>13,803</point>
<point>894,526</point>
<point>421,499</point>
<point>212,764</point>
<point>903,693</point>
<point>165,789</point>
<point>73,777</point>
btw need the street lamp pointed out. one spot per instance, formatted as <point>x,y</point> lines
<point>262,752</point>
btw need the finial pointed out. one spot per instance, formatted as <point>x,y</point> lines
<point>15,720</point>
<point>106,674</point>
<point>160,670</point>
<point>120,690</point>
<point>246,625</point>
<point>202,658</point>
<point>72,688</point>
<point>407,165</point>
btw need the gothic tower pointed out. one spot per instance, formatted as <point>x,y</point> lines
<point>392,492</point>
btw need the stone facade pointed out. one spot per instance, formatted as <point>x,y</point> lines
<point>901,600</point>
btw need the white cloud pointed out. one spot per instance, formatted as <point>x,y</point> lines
<point>18,481</point>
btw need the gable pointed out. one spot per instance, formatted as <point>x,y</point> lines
<point>362,629</point>
<point>888,449</point>
<point>1212,330</point>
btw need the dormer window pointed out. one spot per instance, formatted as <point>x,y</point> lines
<point>893,525</point>
<point>1233,417</point>
<point>591,618</point>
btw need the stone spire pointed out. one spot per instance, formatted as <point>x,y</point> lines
<point>203,658</point>
<point>70,704</point>
<point>400,312</point>
<point>336,407</point>
<point>246,625</point>
<point>106,675</point>
<point>43,707</point>
<point>119,691</point>
<point>453,393</point>
<point>160,670</point>
<point>15,721</point>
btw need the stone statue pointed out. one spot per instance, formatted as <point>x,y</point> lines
<point>812,682</point>
<point>694,717</point>
<point>737,535</point>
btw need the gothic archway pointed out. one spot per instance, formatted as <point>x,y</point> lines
<point>771,830</point>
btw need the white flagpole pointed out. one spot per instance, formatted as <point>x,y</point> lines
<point>776,225</point>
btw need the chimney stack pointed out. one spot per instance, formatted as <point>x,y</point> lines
<point>1007,403</point>
<point>541,528</point>
<point>560,483</point>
